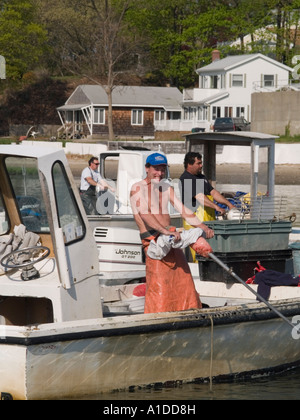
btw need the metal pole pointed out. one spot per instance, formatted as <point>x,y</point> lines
<point>228,270</point>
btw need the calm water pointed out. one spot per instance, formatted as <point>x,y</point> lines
<point>282,387</point>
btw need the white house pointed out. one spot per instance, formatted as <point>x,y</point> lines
<point>226,86</point>
<point>225,89</point>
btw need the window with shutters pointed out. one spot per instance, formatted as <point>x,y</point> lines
<point>268,80</point>
<point>237,80</point>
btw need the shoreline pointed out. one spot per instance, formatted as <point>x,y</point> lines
<point>226,173</point>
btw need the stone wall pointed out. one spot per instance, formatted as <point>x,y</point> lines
<point>276,113</point>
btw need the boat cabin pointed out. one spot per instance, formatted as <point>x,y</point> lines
<point>121,256</point>
<point>43,232</point>
<point>123,168</point>
<point>261,202</point>
<point>262,155</point>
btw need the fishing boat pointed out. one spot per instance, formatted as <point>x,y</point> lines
<point>258,231</point>
<point>121,256</point>
<point>63,333</point>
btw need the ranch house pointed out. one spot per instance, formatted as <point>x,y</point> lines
<point>137,111</point>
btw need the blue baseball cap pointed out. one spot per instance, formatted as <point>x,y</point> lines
<point>157,159</point>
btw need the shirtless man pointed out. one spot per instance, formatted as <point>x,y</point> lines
<point>170,286</point>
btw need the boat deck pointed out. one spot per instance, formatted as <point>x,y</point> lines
<point>119,300</point>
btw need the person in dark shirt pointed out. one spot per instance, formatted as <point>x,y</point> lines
<point>197,194</point>
<point>197,191</point>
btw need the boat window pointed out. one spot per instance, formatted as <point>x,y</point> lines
<point>69,215</point>
<point>4,221</point>
<point>24,177</point>
<point>109,167</point>
<point>263,174</point>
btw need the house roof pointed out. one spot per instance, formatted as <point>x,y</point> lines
<point>233,61</point>
<point>168,98</point>
<point>206,101</point>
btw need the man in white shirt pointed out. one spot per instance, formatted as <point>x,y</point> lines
<point>90,179</point>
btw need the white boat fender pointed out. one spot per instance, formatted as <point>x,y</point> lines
<point>234,214</point>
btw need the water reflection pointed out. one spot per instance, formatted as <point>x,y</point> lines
<point>278,387</point>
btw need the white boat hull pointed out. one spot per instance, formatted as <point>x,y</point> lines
<point>72,359</point>
<point>55,341</point>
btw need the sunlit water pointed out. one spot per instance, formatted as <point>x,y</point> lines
<point>282,387</point>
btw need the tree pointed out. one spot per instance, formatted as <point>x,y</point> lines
<point>114,43</point>
<point>286,14</point>
<point>246,18</point>
<point>99,41</point>
<point>171,37</point>
<point>68,23</point>
<point>22,39</point>
<point>182,34</point>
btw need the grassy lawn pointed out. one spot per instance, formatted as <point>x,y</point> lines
<point>288,139</point>
<point>281,139</point>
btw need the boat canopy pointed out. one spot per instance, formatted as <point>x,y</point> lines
<point>262,150</point>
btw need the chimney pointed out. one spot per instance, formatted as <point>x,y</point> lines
<point>215,55</point>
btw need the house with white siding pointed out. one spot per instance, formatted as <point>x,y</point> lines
<point>225,89</point>
<point>226,86</point>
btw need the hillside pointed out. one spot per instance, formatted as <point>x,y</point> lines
<point>36,102</point>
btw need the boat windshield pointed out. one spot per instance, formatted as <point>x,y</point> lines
<point>4,220</point>
<point>26,185</point>
<point>24,177</point>
<point>69,215</point>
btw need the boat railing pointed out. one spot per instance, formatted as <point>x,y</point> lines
<point>262,208</point>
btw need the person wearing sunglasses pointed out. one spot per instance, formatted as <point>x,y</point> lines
<point>92,182</point>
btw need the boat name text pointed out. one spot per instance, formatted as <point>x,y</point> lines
<point>126,252</point>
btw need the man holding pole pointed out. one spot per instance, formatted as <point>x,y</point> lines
<point>170,286</point>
